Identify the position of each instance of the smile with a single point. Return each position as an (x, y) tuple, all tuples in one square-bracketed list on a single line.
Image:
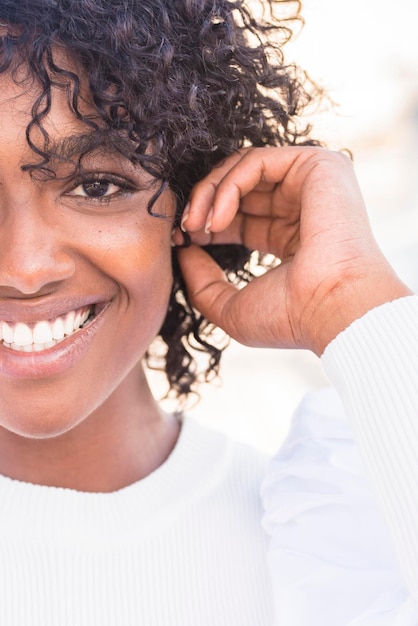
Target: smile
[(44, 334)]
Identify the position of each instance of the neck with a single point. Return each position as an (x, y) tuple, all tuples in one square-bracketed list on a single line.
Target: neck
[(120, 443)]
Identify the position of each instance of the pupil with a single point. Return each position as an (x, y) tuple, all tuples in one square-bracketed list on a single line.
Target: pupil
[(96, 189)]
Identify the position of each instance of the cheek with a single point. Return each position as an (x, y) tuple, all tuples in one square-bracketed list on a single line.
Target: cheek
[(143, 271), (133, 253), (147, 279), (144, 258)]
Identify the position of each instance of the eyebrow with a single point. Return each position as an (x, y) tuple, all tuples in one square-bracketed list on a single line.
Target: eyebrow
[(106, 141)]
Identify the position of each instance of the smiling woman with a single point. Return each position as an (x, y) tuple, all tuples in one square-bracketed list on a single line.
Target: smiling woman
[(146, 148), (109, 114)]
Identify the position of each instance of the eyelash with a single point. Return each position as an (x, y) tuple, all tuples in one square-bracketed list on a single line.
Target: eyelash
[(125, 187)]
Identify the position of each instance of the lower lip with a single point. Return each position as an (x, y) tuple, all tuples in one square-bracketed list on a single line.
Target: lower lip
[(55, 360)]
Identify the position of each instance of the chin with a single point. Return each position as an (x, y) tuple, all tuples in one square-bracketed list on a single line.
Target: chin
[(40, 429)]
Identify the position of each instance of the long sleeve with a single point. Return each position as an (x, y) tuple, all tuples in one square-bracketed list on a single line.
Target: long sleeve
[(375, 370), (341, 497)]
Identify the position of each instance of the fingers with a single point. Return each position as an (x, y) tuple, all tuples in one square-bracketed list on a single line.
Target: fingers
[(216, 199), (265, 234), (242, 201), (266, 181), (248, 180), (199, 210)]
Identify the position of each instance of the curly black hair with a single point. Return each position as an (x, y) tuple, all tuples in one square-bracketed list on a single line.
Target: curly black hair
[(197, 80)]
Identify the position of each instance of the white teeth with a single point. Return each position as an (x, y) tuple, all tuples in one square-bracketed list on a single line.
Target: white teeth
[(44, 334), (77, 319), (8, 334), (58, 329), (69, 323), (23, 335), (38, 347)]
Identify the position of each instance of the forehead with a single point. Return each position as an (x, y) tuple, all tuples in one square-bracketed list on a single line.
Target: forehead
[(52, 118), (22, 93), (21, 90)]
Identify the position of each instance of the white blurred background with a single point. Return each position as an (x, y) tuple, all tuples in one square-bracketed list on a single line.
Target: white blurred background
[(365, 54)]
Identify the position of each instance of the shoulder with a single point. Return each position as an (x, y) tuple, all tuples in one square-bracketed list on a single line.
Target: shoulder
[(233, 465), (226, 477)]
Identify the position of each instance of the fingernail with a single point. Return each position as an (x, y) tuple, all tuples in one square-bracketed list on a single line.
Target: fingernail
[(185, 216), (209, 222), (177, 238)]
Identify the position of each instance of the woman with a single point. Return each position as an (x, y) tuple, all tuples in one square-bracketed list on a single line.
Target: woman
[(113, 117)]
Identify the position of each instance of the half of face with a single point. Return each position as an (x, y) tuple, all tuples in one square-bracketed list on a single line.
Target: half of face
[(85, 269)]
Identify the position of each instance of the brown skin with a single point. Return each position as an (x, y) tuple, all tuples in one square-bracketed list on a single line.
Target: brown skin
[(304, 206), (94, 426)]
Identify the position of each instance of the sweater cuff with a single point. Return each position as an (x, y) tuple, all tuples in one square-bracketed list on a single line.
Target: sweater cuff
[(374, 366)]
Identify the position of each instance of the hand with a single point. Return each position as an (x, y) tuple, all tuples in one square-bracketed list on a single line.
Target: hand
[(303, 205)]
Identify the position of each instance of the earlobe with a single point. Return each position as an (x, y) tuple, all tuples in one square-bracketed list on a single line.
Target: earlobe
[(180, 238)]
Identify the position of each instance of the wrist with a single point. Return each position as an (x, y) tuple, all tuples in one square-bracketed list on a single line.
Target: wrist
[(350, 301)]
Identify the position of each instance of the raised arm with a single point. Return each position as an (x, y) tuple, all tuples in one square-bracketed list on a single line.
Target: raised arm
[(336, 294)]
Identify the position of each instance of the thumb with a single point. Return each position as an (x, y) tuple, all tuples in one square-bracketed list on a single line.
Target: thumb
[(207, 286), (255, 315)]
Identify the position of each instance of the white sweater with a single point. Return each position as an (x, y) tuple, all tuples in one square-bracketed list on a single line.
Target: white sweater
[(183, 547), (343, 517)]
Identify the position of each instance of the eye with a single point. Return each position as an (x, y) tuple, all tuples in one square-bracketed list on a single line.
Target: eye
[(99, 188)]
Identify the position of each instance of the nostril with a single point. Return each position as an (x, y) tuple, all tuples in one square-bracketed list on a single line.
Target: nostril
[(29, 274), (32, 254)]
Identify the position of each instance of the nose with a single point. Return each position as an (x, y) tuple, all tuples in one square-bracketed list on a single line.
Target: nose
[(32, 254)]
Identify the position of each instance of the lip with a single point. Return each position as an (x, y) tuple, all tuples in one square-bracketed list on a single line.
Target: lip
[(30, 312), (54, 360)]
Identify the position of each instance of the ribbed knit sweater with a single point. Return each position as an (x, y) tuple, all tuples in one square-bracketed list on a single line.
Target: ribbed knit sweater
[(183, 547), (375, 370)]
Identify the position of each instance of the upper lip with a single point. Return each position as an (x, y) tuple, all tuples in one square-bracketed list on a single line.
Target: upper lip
[(29, 311)]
